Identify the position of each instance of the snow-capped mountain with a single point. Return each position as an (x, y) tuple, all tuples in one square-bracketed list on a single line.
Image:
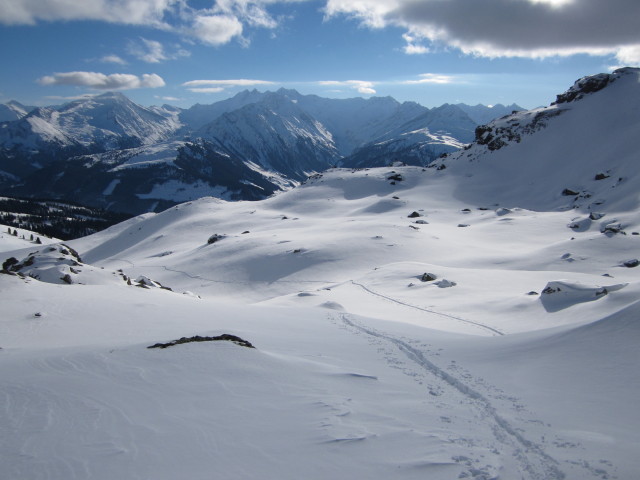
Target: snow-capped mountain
[(419, 141), (474, 320), (112, 153), (276, 134), (482, 114), (104, 122), (199, 115), (13, 110)]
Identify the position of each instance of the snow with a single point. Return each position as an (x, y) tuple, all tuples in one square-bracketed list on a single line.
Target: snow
[(111, 187), (524, 366)]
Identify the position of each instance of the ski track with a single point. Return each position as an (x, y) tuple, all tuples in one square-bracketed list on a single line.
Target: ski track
[(212, 280), (391, 299), (534, 463)]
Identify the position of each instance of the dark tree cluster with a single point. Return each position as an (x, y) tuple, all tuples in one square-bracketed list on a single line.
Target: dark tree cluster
[(51, 218)]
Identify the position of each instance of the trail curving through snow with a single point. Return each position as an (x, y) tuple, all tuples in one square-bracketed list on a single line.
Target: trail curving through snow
[(534, 463), (446, 315)]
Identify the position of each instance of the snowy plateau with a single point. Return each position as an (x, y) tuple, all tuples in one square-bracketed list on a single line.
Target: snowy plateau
[(478, 318)]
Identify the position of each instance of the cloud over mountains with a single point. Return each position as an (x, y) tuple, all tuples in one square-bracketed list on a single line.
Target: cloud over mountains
[(508, 28)]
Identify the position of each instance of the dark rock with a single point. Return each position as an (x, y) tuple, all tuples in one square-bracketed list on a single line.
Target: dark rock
[(601, 176), (567, 192), (532, 292), (428, 277), (198, 338), (584, 86), (414, 215), (214, 238), (612, 229), (8, 263), (396, 177), (632, 263)]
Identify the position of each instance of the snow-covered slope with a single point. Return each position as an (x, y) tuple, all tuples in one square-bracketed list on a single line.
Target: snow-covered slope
[(408, 323), (577, 154)]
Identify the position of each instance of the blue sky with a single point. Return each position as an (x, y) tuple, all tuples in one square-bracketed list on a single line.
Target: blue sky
[(183, 52)]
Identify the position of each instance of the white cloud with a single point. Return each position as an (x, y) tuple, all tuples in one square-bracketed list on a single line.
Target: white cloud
[(132, 12), (361, 86), (100, 81), (113, 59), (221, 23), (413, 48), (152, 51), (252, 12), (629, 55), (207, 90), (371, 12), (507, 28), (216, 29), (168, 99), (216, 86), (83, 96), (431, 78), (241, 82), (148, 51)]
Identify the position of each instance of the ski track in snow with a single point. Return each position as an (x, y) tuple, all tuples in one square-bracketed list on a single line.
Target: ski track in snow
[(533, 461), (391, 299)]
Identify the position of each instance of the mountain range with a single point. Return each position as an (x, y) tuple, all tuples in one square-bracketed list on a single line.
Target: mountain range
[(108, 152), (474, 318)]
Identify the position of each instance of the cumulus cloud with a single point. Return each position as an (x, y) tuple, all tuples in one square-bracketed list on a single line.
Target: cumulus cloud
[(216, 29), (511, 28), (361, 86), (100, 81)]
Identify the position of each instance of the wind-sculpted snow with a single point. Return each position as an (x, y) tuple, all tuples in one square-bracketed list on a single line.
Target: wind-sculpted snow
[(474, 320)]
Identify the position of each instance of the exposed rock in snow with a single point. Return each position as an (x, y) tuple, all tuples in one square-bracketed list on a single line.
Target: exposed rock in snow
[(558, 295)]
